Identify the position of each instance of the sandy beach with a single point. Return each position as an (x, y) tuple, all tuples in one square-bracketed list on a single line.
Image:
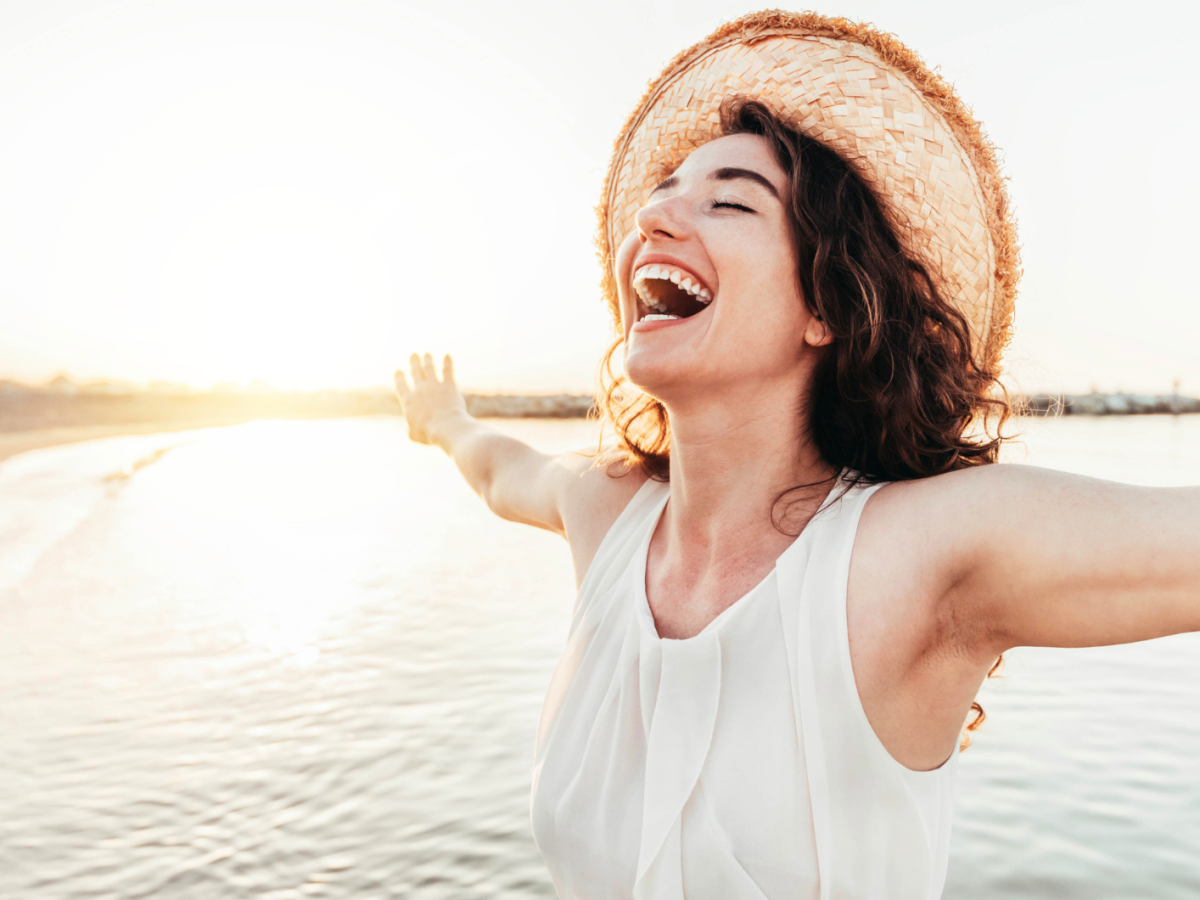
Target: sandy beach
[(33, 418), (64, 413), (23, 441), (12, 443)]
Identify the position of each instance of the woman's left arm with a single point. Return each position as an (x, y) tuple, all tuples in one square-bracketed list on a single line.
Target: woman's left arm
[(1045, 558)]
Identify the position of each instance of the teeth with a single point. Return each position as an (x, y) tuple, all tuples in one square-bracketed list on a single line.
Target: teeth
[(655, 318), (665, 273)]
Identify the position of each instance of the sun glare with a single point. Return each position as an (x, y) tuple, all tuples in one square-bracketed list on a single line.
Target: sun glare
[(227, 194), (302, 193)]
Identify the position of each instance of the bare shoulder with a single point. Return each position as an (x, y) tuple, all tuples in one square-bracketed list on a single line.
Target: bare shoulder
[(593, 491), (960, 507), (950, 493), (919, 540), (913, 533)]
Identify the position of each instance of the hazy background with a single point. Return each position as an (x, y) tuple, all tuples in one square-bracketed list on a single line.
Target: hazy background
[(304, 191)]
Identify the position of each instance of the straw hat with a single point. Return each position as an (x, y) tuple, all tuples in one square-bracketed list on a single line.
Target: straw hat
[(870, 98)]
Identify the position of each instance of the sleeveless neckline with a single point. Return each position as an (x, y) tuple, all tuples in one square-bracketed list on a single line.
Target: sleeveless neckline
[(642, 561)]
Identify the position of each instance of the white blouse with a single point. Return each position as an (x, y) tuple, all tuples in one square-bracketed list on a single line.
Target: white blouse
[(737, 763)]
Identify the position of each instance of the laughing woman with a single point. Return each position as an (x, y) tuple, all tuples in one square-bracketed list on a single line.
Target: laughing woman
[(797, 563)]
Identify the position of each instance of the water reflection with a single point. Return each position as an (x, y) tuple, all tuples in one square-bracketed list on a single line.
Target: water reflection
[(297, 659)]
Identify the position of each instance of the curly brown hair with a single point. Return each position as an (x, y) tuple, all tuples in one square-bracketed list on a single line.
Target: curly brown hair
[(898, 394)]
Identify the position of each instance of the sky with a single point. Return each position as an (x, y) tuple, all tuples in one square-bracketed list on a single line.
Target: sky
[(303, 192)]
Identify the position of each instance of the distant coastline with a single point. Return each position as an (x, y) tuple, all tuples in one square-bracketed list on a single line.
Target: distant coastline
[(1097, 404), (64, 411), (64, 403)]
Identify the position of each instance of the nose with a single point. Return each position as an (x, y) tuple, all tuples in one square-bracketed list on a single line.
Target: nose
[(660, 220)]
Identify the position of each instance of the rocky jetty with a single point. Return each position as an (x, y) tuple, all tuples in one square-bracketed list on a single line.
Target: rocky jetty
[(1097, 404), (507, 406), (64, 403), (565, 406)]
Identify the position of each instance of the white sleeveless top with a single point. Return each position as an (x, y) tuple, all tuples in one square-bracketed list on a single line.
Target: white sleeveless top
[(734, 764)]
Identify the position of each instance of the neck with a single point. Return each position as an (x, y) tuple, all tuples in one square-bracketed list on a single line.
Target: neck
[(731, 460)]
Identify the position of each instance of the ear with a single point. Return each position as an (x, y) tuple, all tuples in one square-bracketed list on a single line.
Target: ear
[(816, 334)]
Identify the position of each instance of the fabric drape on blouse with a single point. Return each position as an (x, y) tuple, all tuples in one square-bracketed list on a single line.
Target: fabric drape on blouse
[(737, 763)]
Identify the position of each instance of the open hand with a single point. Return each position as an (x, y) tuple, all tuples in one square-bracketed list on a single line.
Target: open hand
[(428, 402)]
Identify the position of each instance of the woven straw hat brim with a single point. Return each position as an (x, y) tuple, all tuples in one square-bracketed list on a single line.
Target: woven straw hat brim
[(870, 98)]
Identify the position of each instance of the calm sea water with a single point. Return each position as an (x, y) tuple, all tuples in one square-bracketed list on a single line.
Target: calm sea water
[(301, 659)]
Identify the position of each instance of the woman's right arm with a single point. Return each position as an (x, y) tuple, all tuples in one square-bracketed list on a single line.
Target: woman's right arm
[(569, 494)]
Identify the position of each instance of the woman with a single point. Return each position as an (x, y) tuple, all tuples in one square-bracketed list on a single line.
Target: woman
[(799, 565)]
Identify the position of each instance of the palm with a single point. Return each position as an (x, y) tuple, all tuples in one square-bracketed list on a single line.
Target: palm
[(428, 399)]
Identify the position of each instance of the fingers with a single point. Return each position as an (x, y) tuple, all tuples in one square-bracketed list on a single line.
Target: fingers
[(423, 369), (402, 388)]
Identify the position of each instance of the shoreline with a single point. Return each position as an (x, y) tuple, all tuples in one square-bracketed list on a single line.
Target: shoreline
[(36, 419), (14, 443)]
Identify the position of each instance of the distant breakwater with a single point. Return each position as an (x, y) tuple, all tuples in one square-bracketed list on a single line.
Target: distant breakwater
[(565, 406), (32, 408), (29, 408), (1096, 404), (569, 407), (506, 406)]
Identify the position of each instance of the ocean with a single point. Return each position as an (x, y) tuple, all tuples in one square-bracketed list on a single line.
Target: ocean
[(301, 659)]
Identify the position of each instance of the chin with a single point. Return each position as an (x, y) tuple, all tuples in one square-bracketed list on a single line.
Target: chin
[(663, 378)]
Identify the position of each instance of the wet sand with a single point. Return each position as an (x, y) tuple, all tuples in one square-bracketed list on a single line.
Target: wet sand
[(14, 442), (32, 419)]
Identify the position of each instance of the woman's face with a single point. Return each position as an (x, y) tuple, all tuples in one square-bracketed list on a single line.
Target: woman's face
[(712, 251)]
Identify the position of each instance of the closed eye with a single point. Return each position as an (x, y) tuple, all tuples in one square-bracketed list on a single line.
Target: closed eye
[(726, 204)]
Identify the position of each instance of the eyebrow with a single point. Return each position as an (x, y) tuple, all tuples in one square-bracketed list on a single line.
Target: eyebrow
[(727, 173), (730, 174), (669, 183)]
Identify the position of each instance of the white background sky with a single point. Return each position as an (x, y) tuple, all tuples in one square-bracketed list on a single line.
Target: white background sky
[(304, 191)]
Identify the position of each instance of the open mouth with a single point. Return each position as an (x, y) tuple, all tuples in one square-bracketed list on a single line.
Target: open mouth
[(667, 292)]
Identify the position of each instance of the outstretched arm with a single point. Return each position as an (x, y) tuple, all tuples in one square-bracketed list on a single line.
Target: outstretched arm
[(517, 482), (567, 494), (1036, 557), (1078, 562)]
